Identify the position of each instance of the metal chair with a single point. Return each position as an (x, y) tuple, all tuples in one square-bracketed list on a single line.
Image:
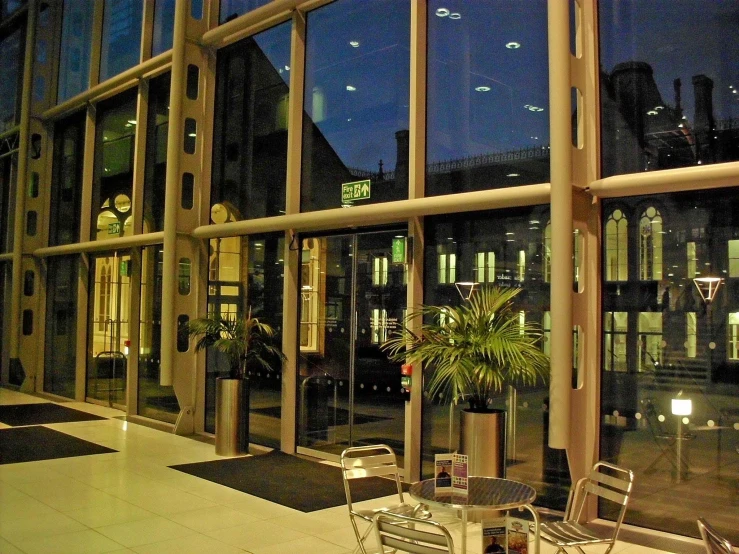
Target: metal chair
[(371, 461), (407, 534), (607, 481), (715, 543)]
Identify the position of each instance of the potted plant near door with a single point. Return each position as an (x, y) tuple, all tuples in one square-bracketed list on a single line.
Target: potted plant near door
[(473, 350), (245, 341)]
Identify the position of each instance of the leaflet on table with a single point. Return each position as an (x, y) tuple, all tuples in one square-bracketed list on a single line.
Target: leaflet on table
[(460, 484), (494, 536), (509, 535), (443, 473)]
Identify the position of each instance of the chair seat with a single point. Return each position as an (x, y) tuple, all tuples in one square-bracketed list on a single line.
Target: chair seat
[(569, 533), (403, 509)]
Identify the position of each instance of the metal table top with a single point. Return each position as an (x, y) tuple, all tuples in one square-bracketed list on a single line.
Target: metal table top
[(484, 493)]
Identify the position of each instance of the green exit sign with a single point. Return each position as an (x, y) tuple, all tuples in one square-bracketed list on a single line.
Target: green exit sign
[(357, 190), (114, 228), (398, 250)]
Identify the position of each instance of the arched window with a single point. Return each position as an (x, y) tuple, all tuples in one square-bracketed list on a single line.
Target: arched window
[(650, 245), (617, 268)]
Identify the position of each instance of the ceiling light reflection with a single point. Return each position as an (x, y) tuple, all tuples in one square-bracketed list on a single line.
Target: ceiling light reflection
[(442, 12), (482, 89), (513, 45)]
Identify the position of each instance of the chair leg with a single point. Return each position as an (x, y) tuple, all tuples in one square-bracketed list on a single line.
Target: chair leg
[(360, 538)]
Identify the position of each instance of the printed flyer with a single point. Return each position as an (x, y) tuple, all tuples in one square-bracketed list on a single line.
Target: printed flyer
[(518, 536), (443, 473), (494, 536), (460, 484)]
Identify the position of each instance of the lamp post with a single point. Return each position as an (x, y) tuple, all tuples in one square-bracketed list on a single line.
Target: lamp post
[(681, 407)]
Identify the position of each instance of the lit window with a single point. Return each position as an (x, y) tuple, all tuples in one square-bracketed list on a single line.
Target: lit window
[(378, 326), (521, 266), (650, 245), (547, 254), (617, 247), (616, 327), (649, 346), (546, 330), (447, 265), (691, 334), (692, 260), (379, 271), (485, 267), (733, 336), (734, 258)]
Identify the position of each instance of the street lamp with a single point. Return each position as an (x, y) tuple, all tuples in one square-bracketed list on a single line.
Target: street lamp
[(466, 288), (680, 407), (707, 287)]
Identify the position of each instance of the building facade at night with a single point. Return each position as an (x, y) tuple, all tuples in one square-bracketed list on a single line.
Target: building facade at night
[(331, 165)]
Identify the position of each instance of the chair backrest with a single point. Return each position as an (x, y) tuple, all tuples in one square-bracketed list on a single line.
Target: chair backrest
[(410, 534), (607, 481), (715, 543), (377, 460)]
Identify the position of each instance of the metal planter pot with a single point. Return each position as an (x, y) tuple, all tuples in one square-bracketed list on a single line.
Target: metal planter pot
[(232, 416), (483, 439)]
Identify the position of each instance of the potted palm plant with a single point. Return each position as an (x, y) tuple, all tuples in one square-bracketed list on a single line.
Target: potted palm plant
[(246, 342), (473, 350)]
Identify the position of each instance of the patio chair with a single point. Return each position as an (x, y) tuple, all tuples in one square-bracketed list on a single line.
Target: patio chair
[(714, 543), (360, 462), (610, 483), (411, 534)]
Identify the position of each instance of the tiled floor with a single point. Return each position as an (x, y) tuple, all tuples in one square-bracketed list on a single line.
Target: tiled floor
[(130, 501)]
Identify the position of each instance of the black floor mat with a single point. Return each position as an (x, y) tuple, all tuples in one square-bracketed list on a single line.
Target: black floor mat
[(31, 444), (41, 413), (288, 480)]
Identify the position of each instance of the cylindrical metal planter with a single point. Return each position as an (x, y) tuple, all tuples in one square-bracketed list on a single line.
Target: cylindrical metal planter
[(483, 440), (232, 416)]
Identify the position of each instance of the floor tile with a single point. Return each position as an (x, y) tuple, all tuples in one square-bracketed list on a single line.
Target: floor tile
[(115, 511), (308, 545), (195, 544), (256, 535), (145, 531), (16, 530), (211, 519), (79, 542)]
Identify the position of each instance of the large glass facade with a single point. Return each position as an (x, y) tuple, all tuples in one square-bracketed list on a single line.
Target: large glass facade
[(501, 248), (66, 188), (113, 180), (60, 360), (74, 55), (163, 26), (669, 86), (488, 95), (231, 9), (665, 344), (157, 128), (121, 46), (247, 273), (11, 66), (250, 134), (7, 204), (155, 401), (356, 103)]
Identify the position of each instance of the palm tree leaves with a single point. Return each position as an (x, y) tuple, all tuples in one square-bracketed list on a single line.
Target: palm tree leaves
[(241, 339), (474, 348)]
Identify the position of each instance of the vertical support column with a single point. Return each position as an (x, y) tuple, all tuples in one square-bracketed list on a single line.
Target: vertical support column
[(561, 206), (290, 296), (19, 230), (416, 189)]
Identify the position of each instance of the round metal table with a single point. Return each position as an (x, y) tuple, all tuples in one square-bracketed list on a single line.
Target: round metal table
[(484, 493)]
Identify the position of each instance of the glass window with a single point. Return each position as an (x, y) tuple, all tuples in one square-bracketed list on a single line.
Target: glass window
[(733, 247), (11, 67), (157, 127), (60, 361), (662, 341), (11, 6), (485, 267), (163, 26), (231, 9), (468, 236), (669, 93), (250, 135), (616, 256), (7, 203), (155, 401), (74, 55), (121, 47), (650, 245), (488, 95), (113, 182), (66, 185), (356, 103), (247, 273)]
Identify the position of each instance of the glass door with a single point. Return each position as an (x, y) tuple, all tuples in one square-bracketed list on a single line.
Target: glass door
[(353, 295), (108, 329)]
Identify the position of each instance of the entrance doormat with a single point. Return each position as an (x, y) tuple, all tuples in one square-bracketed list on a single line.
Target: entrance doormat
[(31, 444), (41, 413), (288, 480)]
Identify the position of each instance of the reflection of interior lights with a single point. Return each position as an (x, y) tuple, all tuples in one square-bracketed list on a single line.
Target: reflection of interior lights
[(682, 406), (652, 112), (455, 15), (354, 43), (351, 88), (191, 135), (132, 121), (442, 12), (482, 89), (659, 108), (513, 45), (513, 175)]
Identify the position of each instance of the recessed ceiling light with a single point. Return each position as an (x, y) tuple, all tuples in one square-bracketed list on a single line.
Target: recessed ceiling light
[(132, 121), (442, 12), (192, 135), (354, 43), (514, 175), (513, 45), (652, 112), (482, 89), (659, 108), (455, 15), (351, 88), (287, 68)]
